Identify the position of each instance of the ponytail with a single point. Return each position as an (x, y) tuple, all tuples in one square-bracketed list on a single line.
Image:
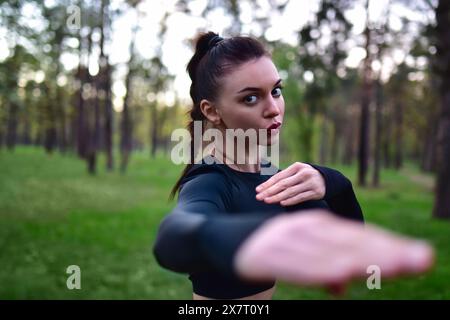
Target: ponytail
[(214, 57)]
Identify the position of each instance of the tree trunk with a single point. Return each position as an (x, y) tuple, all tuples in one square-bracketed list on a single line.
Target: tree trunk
[(62, 120), (81, 121), (59, 105), (386, 137), (72, 135), (81, 125), (26, 129), (105, 87), (398, 135), (162, 140), (108, 119), (154, 130), (39, 139), (96, 133), (1, 135), (306, 134), (378, 129), (11, 131), (363, 150), (324, 141), (429, 149), (26, 136), (364, 141), (125, 143), (50, 134), (126, 138), (93, 132), (349, 141), (91, 120), (442, 199), (337, 132)]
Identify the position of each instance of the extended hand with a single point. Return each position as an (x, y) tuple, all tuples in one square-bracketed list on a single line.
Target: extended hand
[(298, 183), (319, 248)]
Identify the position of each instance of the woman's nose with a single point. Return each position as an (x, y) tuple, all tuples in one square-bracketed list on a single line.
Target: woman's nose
[(272, 108)]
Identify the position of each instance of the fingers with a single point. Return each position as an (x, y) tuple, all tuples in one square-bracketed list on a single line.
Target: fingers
[(290, 192), (395, 255), (318, 248), (298, 178), (298, 183), (419, 258), (279, 186), (289, 171), (373, 249), (298, 198)]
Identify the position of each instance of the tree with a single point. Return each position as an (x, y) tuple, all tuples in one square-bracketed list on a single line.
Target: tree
[(159, 80), (19, 59), (379, 39), (104, 84), (126, 124), (442, 199), (364, 139)]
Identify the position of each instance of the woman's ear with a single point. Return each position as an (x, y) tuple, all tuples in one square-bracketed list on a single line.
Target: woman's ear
[(210, 112)]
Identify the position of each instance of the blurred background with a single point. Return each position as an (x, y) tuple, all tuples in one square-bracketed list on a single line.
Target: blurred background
[(90, 92)]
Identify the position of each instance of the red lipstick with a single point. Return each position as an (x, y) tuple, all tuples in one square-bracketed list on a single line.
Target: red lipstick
[(274, 126)]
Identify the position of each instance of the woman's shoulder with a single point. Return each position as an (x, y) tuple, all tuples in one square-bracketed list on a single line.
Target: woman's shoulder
[(208, 171), (207, 182)]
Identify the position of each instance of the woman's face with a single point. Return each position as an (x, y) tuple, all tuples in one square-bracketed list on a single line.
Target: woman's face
[(251, 97)]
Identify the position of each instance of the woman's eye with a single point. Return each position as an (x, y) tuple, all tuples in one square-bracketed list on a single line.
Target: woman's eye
[(250, 99), (277, 91)]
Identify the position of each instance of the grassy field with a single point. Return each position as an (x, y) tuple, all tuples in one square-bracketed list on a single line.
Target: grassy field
[(52, 215)]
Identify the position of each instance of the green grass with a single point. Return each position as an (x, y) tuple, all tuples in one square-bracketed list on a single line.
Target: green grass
[(52, 215)]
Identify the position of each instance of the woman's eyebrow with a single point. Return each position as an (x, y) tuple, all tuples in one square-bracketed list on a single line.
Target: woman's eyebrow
[(257, 89)]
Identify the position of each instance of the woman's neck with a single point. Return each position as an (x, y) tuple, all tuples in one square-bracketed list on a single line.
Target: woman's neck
[(251, 161)]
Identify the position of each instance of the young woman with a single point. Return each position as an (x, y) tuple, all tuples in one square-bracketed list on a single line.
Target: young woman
[(235, 230)]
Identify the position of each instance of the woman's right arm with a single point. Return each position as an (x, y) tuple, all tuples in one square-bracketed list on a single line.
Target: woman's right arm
[(198, 235)]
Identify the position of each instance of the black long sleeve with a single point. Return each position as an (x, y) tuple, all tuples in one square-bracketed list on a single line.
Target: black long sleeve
[(200, 234), (339, 194)]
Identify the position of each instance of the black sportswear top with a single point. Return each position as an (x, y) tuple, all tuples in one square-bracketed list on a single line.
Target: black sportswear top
[(216, 211)]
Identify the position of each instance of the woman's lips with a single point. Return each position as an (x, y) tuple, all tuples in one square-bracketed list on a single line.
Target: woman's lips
[(276, 125), (273, 128)]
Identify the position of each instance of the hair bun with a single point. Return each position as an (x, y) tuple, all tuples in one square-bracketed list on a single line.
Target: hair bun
[(214, 40)]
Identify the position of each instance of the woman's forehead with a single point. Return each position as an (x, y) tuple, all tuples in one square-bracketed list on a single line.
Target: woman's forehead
[(260, 73)]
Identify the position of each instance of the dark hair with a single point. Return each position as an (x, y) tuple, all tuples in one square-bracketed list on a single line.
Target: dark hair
[(214, 57)]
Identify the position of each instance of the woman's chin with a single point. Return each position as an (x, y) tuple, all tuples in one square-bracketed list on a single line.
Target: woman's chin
[(270, 140)]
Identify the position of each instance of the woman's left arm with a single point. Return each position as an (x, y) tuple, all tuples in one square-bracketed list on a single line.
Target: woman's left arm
[(339, 194), (302, 182)]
